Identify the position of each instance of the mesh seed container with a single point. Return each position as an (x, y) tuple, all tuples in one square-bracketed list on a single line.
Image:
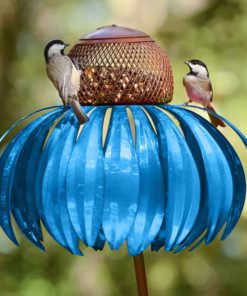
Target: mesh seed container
[(122, 66)]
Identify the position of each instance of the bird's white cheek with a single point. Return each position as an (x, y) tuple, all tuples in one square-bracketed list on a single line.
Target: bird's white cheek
[(199, 70), (55, 49)]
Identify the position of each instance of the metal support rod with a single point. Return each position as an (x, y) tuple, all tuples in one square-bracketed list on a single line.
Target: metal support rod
[(140, 272)]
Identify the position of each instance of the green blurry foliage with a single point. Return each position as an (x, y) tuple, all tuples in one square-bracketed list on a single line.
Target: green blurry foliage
[(212, 30)]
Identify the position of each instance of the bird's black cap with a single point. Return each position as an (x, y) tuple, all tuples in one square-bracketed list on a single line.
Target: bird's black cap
[(197, 62)]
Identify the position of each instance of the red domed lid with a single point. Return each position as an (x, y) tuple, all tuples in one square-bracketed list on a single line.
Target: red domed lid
[(115, 34)]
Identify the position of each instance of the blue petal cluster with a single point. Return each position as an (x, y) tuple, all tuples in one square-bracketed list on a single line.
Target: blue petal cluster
[(155, 175)]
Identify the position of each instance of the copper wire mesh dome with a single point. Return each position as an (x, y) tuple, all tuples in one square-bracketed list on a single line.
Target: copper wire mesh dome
[(122, 66)]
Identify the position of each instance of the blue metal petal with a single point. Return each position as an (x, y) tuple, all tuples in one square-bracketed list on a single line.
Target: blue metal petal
[(121, 180), (237, 171), (55, 214), (51, 174), (23, 203), (237, 131), (180, 170), (45, 156), (27, 116), (151, 204), (47, 150), (85, 181), (216, 168), (7, 165)]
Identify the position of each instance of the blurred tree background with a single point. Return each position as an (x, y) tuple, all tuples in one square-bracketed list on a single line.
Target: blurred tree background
[(212, 30)]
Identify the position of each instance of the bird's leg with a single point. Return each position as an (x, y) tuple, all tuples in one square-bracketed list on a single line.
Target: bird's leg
[(187, 103), (64, 99)]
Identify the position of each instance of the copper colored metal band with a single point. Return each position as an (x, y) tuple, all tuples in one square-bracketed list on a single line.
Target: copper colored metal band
[(116, 40)]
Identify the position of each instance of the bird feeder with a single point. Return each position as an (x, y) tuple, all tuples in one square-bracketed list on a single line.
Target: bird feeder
[(121, 66), (139, 172)]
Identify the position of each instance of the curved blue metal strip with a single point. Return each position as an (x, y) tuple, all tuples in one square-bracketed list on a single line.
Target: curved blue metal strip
[(47, 150), (217, 171), (201, 220), (7, 164), (121, 179), (85, 181), (237, 131), (27, 116), (44, 159), (32, 163), (55, 214), (151, 204), (23, 204), (237, 171), (183, 195), (58, 224)]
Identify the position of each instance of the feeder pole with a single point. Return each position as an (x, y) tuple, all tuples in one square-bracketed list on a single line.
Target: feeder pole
[(140, 273)]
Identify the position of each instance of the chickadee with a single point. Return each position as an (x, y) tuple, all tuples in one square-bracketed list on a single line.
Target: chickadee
[(64, 75), (199, 88)]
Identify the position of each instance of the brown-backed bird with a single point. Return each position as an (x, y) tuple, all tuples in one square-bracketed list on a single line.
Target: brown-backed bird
[(199, 88), (64, 75)]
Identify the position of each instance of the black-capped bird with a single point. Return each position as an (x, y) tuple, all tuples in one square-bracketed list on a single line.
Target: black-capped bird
[(199, 88), (64, 75)]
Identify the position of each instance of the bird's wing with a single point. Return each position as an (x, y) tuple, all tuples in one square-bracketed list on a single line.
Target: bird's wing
[(75, 63), (59, 71), (65, 72), (184, 82), (211, 89), (206, 86)]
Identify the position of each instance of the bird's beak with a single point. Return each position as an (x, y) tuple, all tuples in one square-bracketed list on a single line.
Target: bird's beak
[(66, 45), (187, 63)]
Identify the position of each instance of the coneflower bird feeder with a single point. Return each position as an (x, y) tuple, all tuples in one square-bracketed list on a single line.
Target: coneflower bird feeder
[(139, 171)]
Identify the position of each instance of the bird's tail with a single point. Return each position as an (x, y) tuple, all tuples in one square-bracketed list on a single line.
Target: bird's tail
[(80, 115), (215, 120)]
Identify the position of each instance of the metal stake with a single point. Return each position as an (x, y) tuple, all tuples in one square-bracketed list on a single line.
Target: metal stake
[(140, 273)]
